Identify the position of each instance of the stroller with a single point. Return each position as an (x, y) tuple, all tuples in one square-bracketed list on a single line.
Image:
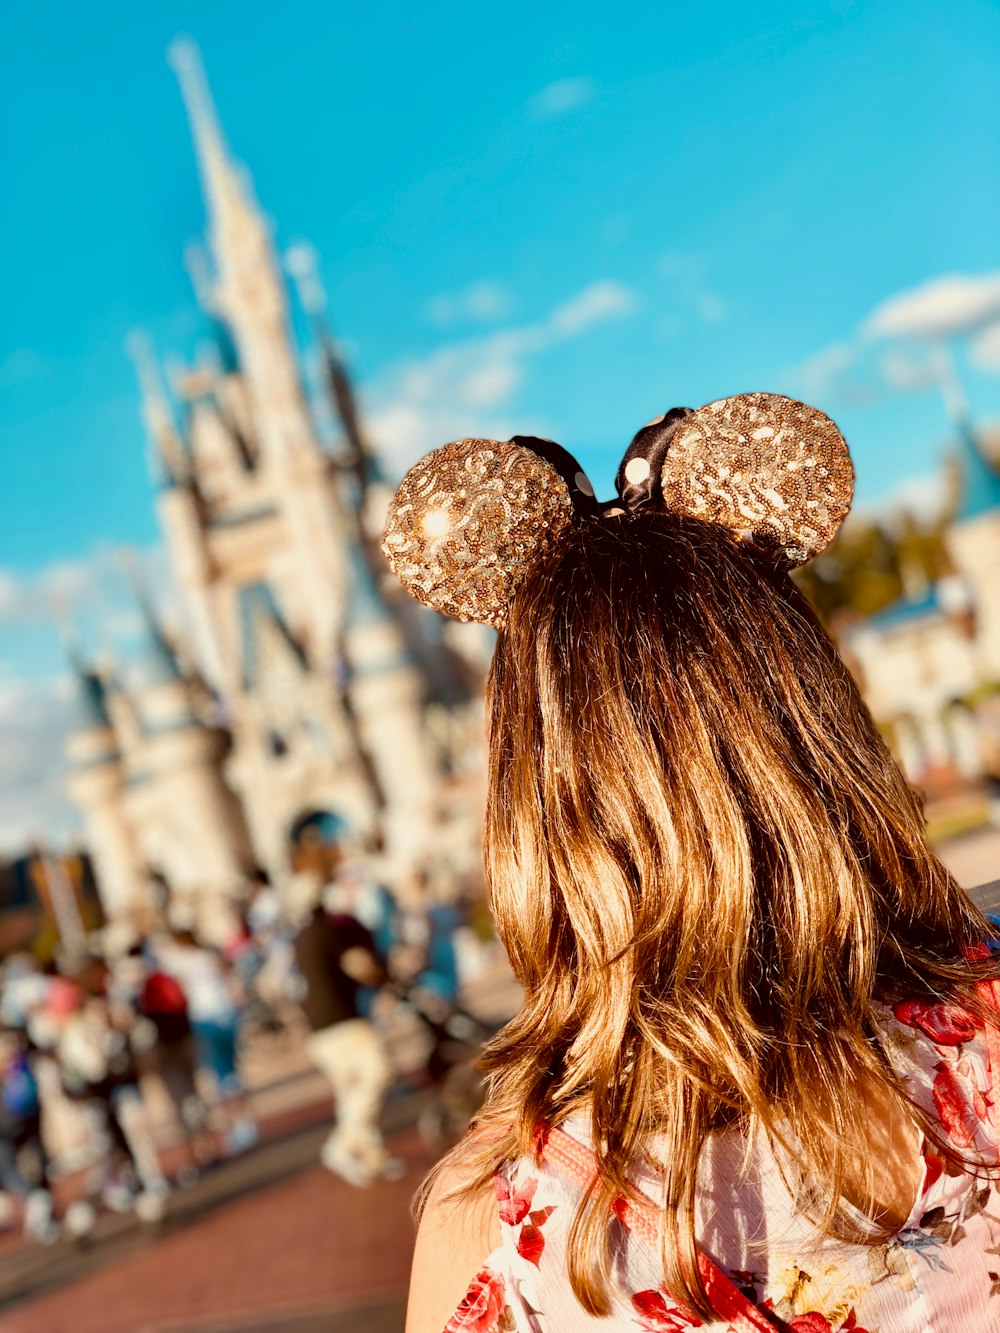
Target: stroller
[(459, 1088)]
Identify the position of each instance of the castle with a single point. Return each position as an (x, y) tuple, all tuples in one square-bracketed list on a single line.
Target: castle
[(929, 664), (296, 704), (306, 700)]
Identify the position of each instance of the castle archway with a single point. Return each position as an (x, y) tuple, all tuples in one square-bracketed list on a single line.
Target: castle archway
[(314, 841)]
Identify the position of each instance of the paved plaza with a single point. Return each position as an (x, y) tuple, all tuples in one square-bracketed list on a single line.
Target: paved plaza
[(270, 1241)]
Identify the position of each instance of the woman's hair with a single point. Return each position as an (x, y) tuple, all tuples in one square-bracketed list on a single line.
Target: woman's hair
[(706, 868)]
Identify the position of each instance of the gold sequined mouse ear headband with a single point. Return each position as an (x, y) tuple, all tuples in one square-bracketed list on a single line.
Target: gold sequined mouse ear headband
[(471, 517)]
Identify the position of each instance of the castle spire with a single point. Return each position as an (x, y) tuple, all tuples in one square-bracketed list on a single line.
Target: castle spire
[(91, 691), (168, 455), (979, 479), (360, 462), (197, 263), (225, 186), (161, 658), (162, 663)]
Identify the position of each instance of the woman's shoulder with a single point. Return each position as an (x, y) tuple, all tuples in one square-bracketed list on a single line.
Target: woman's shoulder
[(459, 1230)]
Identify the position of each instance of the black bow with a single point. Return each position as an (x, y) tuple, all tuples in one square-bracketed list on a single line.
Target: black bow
[(638, 473)]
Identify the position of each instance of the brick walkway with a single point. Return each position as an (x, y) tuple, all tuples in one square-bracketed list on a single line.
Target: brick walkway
[(304, 1254)]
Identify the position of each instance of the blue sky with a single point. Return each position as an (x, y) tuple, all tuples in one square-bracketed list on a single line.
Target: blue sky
[(560, 217)]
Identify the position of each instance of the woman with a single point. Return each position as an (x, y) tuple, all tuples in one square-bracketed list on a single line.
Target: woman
[(749, 1085), (214, 998)]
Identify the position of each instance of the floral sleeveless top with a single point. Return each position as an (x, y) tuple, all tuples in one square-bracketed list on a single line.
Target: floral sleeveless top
[(940, 1272)]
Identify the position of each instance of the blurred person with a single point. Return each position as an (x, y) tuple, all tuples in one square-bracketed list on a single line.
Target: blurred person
[(423, 966), (414, 938), (336, 956), (422, 934), (214, 999), (272, 935), (98, 1068), (159, 1000), (24, 989), (753, 1081), (24, 1162), (263, 911), (264, 958)]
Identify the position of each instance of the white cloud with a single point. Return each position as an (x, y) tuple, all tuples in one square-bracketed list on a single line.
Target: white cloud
[(911, 370), (596, 303), (480, 303), (899, 347), (465, 388), (561, 96), (35, 719), (922, 497), (943, 307), (95, 585), (51, 593), (820, 374), (984, 349), (855, 374)]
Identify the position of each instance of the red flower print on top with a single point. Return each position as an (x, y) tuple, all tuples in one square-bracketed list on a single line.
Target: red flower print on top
[(531, 1243), (482, 1305), (945, 1024), (810, 1323), (513, 1205), (959, 1104), (851, 1325), (657, 1316), (934, 1165)]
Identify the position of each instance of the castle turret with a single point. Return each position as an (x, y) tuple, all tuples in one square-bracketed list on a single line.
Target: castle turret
[(385, 693), (169, 459), (974, 542), (357, 458), (371, 494), (190, 822), (97, 785)]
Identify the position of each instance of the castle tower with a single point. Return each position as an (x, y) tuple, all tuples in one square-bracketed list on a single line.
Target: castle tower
[(974, 543), (180, 505), (189, 823), (97, 785), (386, 697), (249, 295), (291, 647)]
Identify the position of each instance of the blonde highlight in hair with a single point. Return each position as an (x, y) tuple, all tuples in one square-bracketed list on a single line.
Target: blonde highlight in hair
[(707, 870)]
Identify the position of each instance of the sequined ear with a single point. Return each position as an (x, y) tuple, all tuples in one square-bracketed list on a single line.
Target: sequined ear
[(468, 521), (767, 466)]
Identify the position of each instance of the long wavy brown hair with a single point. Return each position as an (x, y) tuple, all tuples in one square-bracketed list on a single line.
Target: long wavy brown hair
[(708, 872)]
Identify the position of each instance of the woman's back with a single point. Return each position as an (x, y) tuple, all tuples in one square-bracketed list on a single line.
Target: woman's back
[(939, 1271)]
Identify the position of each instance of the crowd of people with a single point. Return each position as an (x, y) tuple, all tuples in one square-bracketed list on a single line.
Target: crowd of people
[(146, 1042)]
